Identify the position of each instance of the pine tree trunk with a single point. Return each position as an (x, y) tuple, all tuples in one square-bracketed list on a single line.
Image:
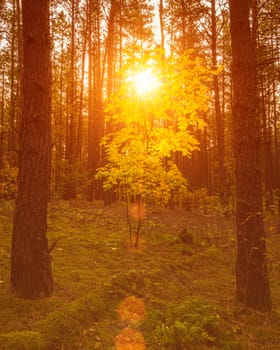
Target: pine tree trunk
[(12, 122), (98, 119), (252, 284), (161, 23), (31, 275), (2, 148), (71, 123), (218, 112), (108, 195)]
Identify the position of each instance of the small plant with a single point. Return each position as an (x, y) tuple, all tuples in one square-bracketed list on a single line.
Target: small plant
[(150, 130)]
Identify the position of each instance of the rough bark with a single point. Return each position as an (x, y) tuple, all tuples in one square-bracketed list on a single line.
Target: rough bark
[(31, 275), (252, 284)]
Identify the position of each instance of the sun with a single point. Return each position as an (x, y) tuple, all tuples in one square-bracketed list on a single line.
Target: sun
[(145, 82)]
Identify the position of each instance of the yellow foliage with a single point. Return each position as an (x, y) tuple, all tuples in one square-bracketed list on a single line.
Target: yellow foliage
[(150, 128)]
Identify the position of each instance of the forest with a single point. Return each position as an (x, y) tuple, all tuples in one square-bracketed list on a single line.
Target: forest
[(139, 174)]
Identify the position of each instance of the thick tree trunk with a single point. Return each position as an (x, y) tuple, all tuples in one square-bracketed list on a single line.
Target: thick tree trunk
[(31, 275), (252, 284)]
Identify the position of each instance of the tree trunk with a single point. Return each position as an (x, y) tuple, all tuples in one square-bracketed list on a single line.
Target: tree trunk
[(80, 131), (161, 24), (90, 135), (110, 47), (31, 275), (252, 284), (108, 195), (19, 73), (98, 117), (95, 108), (12, 123), (267, 143), (218, 113), (2, 148)]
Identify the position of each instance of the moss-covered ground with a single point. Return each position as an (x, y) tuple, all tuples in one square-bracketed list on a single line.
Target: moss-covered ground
[(165, 295)]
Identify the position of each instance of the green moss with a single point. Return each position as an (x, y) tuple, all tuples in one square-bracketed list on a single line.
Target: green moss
[(131, 282), (22, 341), (162, 272), (62, 327), (59, 327), (88, 308)]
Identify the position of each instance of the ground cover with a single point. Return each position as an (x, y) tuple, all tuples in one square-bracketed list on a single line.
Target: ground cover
[(165, 295)]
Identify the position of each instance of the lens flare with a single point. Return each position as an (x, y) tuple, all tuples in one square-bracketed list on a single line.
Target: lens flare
[(145, 82)]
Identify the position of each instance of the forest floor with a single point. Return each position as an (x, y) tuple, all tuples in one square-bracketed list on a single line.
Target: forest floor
[(165, 295)]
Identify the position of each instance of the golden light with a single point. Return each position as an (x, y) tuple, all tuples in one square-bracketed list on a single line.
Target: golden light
[(145, 82), (132, 312), (132, 309), (130, 339)]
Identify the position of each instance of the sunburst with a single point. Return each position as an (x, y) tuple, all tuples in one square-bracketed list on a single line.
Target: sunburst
[(145, 82)]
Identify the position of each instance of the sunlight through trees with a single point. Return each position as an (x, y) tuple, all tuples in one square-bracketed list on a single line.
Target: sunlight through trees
[(156, 117), (145, 82)]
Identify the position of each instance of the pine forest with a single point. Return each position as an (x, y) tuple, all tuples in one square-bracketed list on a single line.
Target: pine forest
[(139, 174)]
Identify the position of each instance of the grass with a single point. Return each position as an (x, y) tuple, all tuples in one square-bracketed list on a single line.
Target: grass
[(95, 270)]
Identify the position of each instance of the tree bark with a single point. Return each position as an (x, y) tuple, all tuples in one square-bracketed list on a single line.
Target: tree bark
[(161, 24), (95, 108), (252, 284), (12, 122), (2, 113), (108, 196), (218, 112), (71, 122), (31, 275)]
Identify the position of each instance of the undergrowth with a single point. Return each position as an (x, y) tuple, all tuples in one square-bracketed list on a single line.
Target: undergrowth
[(187, 289)]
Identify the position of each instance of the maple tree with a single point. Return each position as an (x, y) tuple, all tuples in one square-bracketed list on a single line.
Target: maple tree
[(150, 127)]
